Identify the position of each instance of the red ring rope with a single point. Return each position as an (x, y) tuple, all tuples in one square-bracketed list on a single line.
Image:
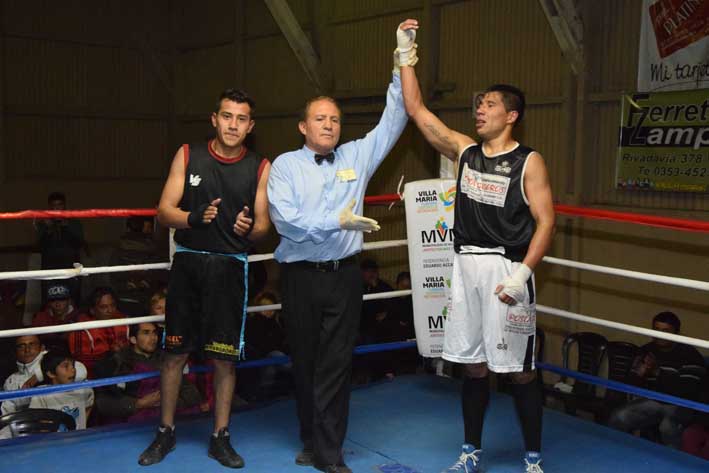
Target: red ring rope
[(627, 217)]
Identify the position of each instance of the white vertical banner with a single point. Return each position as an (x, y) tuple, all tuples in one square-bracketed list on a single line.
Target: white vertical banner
[(674, 45), (429, 227)]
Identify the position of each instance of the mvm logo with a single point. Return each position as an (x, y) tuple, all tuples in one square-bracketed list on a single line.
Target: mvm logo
[(441, 233), (435, 322)]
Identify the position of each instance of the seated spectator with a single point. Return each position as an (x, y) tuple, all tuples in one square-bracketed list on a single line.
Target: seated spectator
[(266, 338), (140, 399), (402, 309), (29, 353), (375, 325), (156, 305), (695, 438), (653, 369), (90, 345), (58, 368), (59, 310), (402, 312)]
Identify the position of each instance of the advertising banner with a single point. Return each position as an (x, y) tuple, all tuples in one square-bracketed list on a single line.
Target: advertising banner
[(664, 142), (674, 45), (429, 226)]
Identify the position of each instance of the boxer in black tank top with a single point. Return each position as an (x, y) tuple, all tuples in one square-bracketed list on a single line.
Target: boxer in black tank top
[(504, 223), (215, 198)]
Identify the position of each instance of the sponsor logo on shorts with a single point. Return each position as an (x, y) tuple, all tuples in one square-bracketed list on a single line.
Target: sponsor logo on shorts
[(173, 341), (521, 317), (502, 345), (223, 348)]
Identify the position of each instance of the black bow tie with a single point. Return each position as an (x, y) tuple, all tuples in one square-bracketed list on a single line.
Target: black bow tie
[(329, 157)]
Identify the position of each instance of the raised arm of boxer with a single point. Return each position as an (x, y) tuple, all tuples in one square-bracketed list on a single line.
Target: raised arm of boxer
[(448, 142)]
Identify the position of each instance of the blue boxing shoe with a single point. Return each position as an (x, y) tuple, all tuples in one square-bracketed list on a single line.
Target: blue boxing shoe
[(533, 462), (467, 462)]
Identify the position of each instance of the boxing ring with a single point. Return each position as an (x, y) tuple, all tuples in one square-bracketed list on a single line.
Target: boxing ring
[(410, 424)]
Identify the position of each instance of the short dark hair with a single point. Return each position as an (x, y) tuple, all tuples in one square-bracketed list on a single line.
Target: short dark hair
[(99, 292), (56, 196), (512, 98), (669, 318), (135, 328), (52, 359), (238, 96), (306, 107)]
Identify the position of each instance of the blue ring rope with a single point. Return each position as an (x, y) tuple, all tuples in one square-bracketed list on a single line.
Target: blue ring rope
[(362, 349)]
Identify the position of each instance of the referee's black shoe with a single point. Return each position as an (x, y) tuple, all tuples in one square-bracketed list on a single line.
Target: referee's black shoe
[(221, 450), (163, 444)]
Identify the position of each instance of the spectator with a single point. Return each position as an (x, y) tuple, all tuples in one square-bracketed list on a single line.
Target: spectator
[(58, 368), (375, 325), (402, 313), (695, 438), (138, 400), (29, 352), (60, 241), (266, 338), (136, 246), (59, 310), (157, 302), (402, 308), (658, 367), (90, 345)]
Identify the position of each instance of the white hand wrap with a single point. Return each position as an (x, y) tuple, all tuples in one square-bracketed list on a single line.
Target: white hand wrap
[(405, 53), (513, 285)]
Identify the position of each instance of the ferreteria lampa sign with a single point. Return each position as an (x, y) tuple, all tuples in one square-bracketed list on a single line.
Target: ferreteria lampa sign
[(664, 142)]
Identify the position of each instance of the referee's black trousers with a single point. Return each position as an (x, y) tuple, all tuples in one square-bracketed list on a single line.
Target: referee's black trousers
[(321, 310)]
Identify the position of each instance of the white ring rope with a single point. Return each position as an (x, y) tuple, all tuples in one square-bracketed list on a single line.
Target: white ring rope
[(381, 295), (673, 281), (625, 327), (80, 270), (76, 326)]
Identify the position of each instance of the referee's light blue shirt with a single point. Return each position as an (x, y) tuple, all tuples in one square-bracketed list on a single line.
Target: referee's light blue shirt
[(305, 199)]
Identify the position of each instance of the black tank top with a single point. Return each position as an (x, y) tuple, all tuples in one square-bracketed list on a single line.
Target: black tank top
[(490, 208), (209, 176)]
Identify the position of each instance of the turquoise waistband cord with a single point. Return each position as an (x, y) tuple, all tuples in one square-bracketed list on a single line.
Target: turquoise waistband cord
[(244, 258)]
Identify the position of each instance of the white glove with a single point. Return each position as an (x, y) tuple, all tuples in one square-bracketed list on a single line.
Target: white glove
[(412, 60), (513, 285), (406, 48), (350, 221)]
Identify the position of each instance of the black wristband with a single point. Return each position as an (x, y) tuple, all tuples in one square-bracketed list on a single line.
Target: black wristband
[(196, 218)]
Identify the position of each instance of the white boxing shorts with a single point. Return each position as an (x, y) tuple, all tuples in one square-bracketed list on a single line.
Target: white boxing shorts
[(482, 329)]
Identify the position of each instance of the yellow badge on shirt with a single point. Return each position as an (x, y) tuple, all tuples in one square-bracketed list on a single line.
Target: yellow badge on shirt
[(346, 175)]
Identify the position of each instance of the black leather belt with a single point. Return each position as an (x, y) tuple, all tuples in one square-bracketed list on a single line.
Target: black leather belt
[(328, 266)]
